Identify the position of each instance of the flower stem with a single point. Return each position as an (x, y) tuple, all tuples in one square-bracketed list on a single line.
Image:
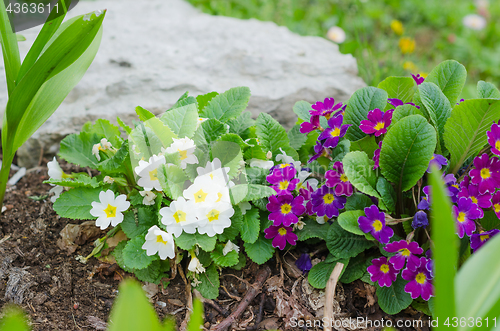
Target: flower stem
[(4, 176)]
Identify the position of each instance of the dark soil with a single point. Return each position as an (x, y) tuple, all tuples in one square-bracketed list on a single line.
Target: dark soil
[(64, 294)]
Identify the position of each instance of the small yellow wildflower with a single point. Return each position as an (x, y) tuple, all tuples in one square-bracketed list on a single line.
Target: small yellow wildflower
[(397, 27), (423, 74), (407, 45)]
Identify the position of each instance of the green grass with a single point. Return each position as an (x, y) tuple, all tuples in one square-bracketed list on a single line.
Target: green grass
[(436, 26)]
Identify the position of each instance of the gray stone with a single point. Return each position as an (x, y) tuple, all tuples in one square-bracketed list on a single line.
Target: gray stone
[(153, 51)]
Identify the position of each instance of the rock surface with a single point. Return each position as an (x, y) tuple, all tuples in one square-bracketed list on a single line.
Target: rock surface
[(153, 51)]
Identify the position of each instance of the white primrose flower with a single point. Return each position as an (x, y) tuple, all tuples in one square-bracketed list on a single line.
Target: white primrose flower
[(57, 190), (108, 180), (185, 147), (109, 210), (195, 265), (230, 247), (104, 145), (149, 197), (474, 22), (200, 120), (244, 206), (283, 158), (322, 219), (336, 34), (159, 241), (269, 155), (148, 173), (258, 163), (55, 171), (215, 217), (299, 225), (180, 216), (203, 190)]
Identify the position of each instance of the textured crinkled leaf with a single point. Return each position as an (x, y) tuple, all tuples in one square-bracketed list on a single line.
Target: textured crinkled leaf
[(394, 299), (227, 105), (358, 201), (77, 149), (134, 256), (339, 152), (367, 145), (211, 130), (250, 226), (437, 105), (260, 251), (240, 124), (404, 111), (312, 229), (79, 180), (250, 192), (348, 220), (154, 272), (296, 138), (487, 90), (387, 193), (450, 77), (272, 136), (77, 203), (204, 99), (228, 260), (343, 244), (234, 138), (135, 225), (465, 130), (118, 254), (320, 273), (209, 286), (103, 128), (360, 103), (229, 154), (401, 88), (231, 232), (302, 108), (359, 170), (407, 150), (116, 164), (172, 180), (188, 241), (182, 120), (355, 269)]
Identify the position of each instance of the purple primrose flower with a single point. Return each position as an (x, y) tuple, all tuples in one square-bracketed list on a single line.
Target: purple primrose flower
[(397, 102), (335, 131), (404, 251), (465, 214), (425, 202), (304, 263), (283, 180), (377, 122), (280, 236), (418, 79), (337, 179), (325, 108), (320, 150), (382, 271), (374, 222), (420, 220), (306, 127), (494, 138), (472, 191), (486, 174), (420, 281), (495, 201), (376, 156), (479, 239), (325, 202), (284, 209), (437, 160)]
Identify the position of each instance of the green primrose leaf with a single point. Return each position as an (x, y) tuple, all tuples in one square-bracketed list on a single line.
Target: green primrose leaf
[(394, 299), (297, 139), (228, 260), (272, 136), (404, 111), (465, 130), (77, 149), (260, 251), (450, 77), (343, 244), (359, 170), (77, 203), (355, 269), (401, 88), (320, 273), (209, 286), (241, 124), (387, 193), (302, 108), (134, 256), (187, 241), (204, 99), (154, 272), (183, 120), (348, 220), (135, 225), (172, 180), (13, 318), (360, 103), (210, 130), (229, 154), (250, 226), (79, 180), (358, 201), (367, 145), (228, 105), (407, 150), (249, 192), (487, 90), (116, 164), (104, 129), (313, 229)]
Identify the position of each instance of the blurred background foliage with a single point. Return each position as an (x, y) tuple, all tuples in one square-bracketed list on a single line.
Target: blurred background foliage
[(390, 37)]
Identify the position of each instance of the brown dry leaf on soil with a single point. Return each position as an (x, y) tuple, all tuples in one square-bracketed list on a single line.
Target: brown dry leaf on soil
[(74, 235)]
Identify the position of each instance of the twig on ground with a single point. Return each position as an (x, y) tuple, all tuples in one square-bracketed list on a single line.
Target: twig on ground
[(224, 312), (259, 315), (262, 276), (330, 295), (189, 299), (232, 296)]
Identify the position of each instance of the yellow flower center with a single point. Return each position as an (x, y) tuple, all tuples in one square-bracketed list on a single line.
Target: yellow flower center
[(283, 165), (327, 116), (183, 154), (110, 211), (405, 252), (220, 196), (379, 126), (497, 145), (461, 217), (420, 278), (384, 268), (282, 231), (377, 225), (180, 216), (283, 185), (497, 207), (159, 239), (474, 199), (200, 196), (343, 178), (335, 132), (485, 173), (153, 174), (432, 158), (328, 198), (213, 215), (484, 237), (286, 208)]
